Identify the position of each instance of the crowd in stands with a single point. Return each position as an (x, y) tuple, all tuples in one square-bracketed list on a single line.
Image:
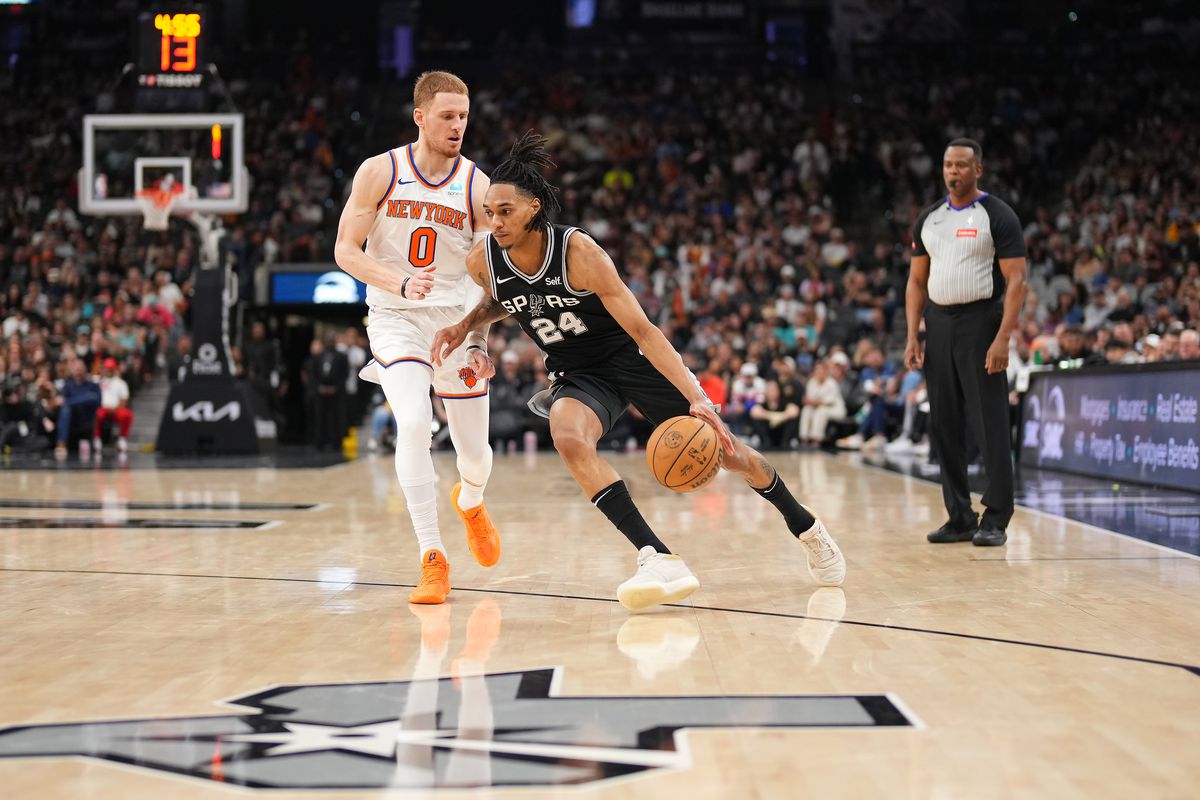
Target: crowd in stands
[(773, 248), (761, 221)]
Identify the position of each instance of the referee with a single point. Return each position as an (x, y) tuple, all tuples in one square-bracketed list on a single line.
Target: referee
[(969, 263)]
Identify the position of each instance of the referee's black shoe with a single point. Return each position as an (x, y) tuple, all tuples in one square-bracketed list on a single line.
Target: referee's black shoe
[(989, 537), (953, 533)]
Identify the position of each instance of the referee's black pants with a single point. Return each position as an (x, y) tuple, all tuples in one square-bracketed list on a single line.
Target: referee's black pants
[(962, 394)]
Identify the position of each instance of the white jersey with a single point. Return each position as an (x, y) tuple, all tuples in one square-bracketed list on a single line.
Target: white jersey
[(418, 224)]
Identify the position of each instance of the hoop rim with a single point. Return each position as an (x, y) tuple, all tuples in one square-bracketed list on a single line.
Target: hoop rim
[(156, 205), (163, 198)]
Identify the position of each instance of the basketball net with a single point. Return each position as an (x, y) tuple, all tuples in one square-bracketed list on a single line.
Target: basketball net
[(156, 204)]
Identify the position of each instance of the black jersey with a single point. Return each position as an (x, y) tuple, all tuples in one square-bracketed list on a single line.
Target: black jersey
[(573, 328)]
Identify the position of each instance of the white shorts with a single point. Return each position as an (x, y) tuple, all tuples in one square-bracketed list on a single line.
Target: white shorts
[(407, 335)]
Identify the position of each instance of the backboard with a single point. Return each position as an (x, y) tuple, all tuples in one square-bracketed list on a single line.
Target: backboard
[(124, 154)]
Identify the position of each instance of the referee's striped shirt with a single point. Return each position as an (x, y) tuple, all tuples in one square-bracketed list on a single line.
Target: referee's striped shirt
[(965, 245)]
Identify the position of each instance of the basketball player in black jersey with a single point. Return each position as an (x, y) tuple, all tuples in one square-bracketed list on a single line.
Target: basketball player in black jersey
[(604, 355)]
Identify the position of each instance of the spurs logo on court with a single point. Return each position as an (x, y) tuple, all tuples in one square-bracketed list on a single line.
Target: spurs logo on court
[(508, 729), (467, 376)]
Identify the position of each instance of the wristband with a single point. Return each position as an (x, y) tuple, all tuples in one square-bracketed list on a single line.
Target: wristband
[(477, 347), (404, 285)]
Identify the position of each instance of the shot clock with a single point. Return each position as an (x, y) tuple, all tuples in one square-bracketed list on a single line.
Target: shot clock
[(171, 45)]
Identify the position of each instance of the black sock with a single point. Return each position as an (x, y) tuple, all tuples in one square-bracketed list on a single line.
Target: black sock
[(616, 504), (798, 520)]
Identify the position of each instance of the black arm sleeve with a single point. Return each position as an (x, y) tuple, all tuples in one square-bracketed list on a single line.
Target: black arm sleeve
[(1006, 229)]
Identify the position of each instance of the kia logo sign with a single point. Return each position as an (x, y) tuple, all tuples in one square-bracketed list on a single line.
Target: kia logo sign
[(204, 411)]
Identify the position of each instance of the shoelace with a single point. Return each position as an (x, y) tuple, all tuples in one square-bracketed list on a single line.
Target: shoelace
[(432, 573), (650, 559), (478, 532), (820, 546)]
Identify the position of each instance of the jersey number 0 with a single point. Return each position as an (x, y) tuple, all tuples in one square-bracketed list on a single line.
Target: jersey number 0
[(421, 246)]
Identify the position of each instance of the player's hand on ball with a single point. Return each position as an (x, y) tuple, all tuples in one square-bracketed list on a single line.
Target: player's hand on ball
[(705, 412), (480, 363), (420, 285), (445, 342)]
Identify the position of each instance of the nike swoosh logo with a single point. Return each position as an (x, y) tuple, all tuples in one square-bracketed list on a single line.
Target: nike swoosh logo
[(505, 280), (404, 183)]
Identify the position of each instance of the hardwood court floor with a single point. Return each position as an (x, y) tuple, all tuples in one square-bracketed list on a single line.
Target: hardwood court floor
[(1063, 665)]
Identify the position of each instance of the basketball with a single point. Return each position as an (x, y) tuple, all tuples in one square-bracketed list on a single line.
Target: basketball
[(684, 454)]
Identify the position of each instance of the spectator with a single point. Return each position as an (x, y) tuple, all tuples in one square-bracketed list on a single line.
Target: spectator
[(356, 356), (822, 402), (1072, 345), (17, 418), (1097, 311), (747, 392), (791, 387), (912, 438), (507, 394), (1189, 345), (79, 398), (263, 371), (114, 405), (166, 293), (881, 402), (325, 376), (713, 384), (775, 420), (383, 424), (180, 360), (717, 226)]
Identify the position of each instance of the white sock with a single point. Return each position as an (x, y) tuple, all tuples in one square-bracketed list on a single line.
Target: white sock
[(468, 421), (470, 495), (422, 507), (406, 386)]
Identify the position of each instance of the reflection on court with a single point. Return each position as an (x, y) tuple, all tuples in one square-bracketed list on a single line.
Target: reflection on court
[(1051, 666)]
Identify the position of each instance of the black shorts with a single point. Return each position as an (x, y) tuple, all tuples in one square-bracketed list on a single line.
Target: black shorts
[(608, 391)]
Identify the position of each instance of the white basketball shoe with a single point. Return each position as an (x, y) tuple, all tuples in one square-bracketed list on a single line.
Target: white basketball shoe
[(825, 561), (660, 578)]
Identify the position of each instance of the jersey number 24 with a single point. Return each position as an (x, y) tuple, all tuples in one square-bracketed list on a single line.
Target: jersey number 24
[(550, 333)]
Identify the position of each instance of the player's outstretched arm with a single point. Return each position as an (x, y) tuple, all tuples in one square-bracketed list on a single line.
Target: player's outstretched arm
[(371, 182), (478, 319), (590, 269)]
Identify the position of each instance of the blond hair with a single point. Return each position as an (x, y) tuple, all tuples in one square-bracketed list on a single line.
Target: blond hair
[(430, 83)]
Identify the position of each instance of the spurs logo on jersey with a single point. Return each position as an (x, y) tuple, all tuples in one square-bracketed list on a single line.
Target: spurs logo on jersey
[(572, 327), (419, 224)]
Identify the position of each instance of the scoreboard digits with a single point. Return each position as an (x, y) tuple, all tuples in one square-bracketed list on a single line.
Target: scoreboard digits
[(180, 33), (170, 46)]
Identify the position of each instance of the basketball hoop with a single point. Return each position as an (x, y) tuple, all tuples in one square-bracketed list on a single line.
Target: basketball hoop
[(156, 205)]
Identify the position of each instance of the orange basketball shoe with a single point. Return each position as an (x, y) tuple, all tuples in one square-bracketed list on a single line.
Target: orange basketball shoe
[(435, 580), (482, 536)]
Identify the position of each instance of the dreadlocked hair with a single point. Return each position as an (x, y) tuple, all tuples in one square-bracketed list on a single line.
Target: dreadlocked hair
[(523, 169)]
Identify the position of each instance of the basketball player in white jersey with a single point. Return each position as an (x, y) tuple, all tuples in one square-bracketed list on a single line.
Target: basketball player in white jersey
[(416, 208)]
